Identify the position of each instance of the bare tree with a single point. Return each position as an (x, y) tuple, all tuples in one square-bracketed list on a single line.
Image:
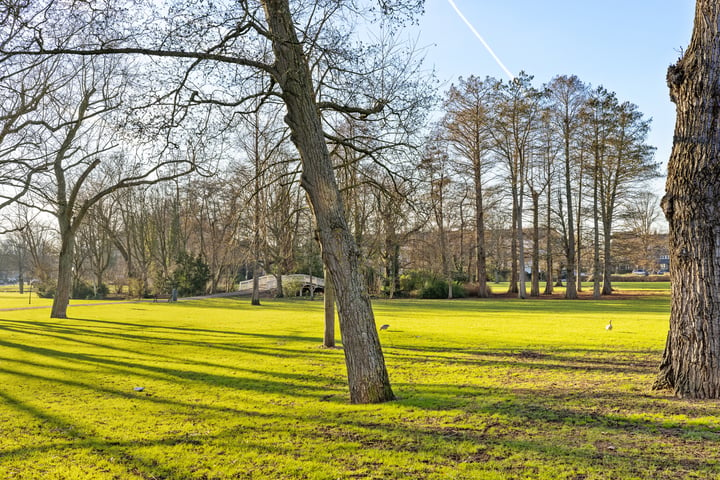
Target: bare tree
[(567, 96), (691, 362), (281, 42), (467, 122)]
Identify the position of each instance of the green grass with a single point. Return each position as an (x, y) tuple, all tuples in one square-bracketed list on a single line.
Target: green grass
[(487, 389)]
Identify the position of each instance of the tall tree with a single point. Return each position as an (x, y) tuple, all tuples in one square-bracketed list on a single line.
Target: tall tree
[(627, 161), (691, 363), (435, 163), (514, 131), (467, 121), (285, 43), (567, 97)]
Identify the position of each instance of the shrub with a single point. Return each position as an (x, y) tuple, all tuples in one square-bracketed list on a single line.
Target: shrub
[(438, 288), (292, 288), (46, 290)]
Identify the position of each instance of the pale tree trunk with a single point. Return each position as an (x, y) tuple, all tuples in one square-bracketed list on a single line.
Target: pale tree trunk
[(691, 362), (329, 299), (578, 234), (521, 174), (513, 287), (571, 290), (548, 245), (481, 256), (367, 375)]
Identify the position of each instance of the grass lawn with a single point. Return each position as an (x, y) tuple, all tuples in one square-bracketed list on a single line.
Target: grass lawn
[(488, 389)]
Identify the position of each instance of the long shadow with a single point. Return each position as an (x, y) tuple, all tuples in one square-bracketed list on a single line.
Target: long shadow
[(538, 360), (295, 384), (146, 327)]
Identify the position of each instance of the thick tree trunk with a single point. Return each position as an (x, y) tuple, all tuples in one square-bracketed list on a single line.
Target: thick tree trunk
[(64, 280), (691, 362), (367, 376)]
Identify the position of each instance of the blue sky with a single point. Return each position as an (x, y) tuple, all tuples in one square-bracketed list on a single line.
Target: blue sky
[(624, 45)]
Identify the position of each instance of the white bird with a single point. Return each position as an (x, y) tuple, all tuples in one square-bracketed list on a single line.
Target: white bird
[(609, 325)]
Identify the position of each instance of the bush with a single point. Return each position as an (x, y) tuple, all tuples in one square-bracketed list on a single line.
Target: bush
[(46, 290), (426, 285), (292, 288), (438, 288)]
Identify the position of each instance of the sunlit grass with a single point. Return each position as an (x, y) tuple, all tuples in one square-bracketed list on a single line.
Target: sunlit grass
[(486, 389)]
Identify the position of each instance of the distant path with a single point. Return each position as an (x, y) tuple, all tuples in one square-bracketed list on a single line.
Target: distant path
[(267, 283)]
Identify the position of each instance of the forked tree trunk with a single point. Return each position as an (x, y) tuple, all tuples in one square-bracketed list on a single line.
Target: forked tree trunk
[(367, 376), (691, 362)]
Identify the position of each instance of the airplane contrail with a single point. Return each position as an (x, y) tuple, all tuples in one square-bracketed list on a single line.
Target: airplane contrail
[(482, 40)]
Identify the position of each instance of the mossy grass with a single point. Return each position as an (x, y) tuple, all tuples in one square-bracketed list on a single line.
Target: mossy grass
[(216, 389)]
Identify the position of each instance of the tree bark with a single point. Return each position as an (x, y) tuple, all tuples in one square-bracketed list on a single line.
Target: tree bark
[(329, 299), (367, 375), (691, 362), (63, 291)]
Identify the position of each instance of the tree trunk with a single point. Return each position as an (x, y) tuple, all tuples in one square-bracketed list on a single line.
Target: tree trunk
[(329, 299), (481, 256), (596, 234), (571, 290), (535, 279), (513, 287), (367, 376), (279, 293), (607, 252), (691, 362), (548, 245), (64, 279), (578, 233), (255, 297)]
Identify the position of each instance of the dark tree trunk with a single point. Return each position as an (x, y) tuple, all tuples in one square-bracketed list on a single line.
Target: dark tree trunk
[(691, 362), (367, 376), (279, 293)]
